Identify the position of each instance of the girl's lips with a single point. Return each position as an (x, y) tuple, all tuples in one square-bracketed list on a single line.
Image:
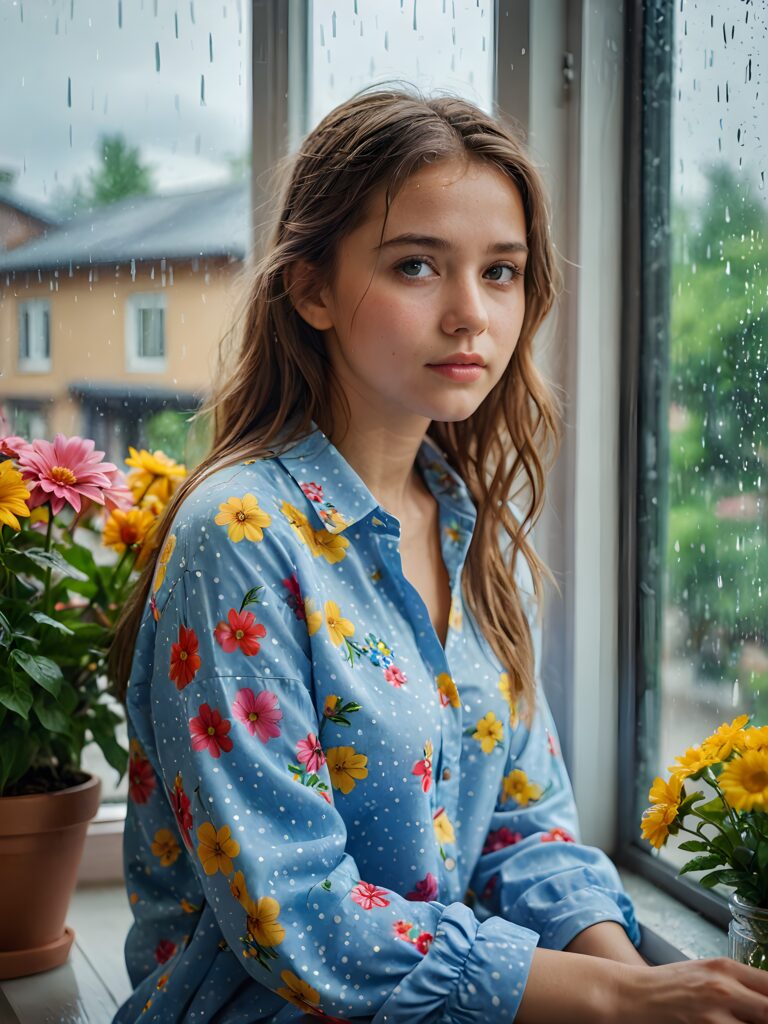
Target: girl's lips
[(464, 372)]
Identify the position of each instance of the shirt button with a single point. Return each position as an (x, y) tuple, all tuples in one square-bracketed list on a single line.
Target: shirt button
[(450, 863), (446, 774)]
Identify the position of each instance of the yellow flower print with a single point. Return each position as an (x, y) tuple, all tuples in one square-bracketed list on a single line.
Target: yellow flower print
[(331, 703), (238, 888), (443, 828), (263, 926), (299, 992), (243, 518), (337, 521), (332, 546), (338, 627), (517, 787), (453, 533), (187, 907), (346, 767), (134, 898), (165, 847), (508, 693), (449, 693), (490, 731), (314, 618), (216, 849), (455, 616), (163, 560), (300, 525)]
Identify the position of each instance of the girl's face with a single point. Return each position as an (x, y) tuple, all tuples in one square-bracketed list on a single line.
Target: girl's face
[(454, 288)]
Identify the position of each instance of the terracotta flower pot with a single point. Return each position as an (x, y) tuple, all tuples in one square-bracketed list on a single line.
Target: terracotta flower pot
[(41, 843)]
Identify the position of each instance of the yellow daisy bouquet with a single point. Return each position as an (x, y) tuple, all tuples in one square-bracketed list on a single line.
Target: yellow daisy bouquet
[(73, 531), (730, 831)]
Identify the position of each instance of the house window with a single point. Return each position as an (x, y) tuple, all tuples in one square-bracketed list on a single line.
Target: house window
[(145, 333), (35, 336)]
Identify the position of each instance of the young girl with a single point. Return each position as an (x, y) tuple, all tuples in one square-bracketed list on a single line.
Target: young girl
[(348, 798)]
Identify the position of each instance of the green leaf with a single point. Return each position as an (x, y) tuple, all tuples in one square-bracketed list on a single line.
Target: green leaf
[(46, 620), (693, 846), (762, 857), (52, 718), (252, 597), (16, 696), (44, 671), (116, 756), (704, 863), (711, 880), (714, 807), (54, 560)]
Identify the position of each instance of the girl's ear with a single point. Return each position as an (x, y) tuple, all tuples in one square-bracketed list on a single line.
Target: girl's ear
[(310, 299)]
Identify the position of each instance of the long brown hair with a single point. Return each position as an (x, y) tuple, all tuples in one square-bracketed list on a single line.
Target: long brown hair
[(275, 380)]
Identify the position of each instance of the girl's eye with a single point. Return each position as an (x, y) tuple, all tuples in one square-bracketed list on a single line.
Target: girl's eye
[(515, 271)]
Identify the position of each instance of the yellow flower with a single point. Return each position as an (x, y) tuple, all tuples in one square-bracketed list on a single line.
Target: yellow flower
[(332, 546), (443, 828), (655, 823), (331, 703), (163, 560), (723, 741), (299, 992), (152, 504), (517, 787), (13, 495), (338, 628), (300, 525), (668, 793), (216, 849), (314, 618), (154, 473), (238, 888), (263, 926), (165, 847), (490, 731), (346, 766), (744, 781), (754, 738), (692, 761), (127, 529), (243, 518), (508, 693), (448, 691)]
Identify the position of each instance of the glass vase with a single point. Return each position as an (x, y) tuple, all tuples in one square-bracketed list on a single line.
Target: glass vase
[(748, 933)]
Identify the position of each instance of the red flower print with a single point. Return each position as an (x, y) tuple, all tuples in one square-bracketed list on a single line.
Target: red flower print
[(423, 942), (180, 804), (164, 950), (489, 887), (424, 767), (551, 744), (310, 753), (402, 929), (295, 600), (368, 896), (209, 731), (425, 890), (241, 632), (501, 838), (259, 712), (558, 835), (394, 676), (185, 661), (141, 779), (313, 491)]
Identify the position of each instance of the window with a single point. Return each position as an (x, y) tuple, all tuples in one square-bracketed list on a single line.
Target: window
[(27, 418), (695, 634), (35, 336), (145, 333)]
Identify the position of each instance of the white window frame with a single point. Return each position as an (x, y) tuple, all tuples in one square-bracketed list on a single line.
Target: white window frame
[(134, 361), (39, 346)]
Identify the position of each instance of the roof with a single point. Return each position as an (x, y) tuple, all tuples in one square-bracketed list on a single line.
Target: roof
[(176, 226), (29, 207)]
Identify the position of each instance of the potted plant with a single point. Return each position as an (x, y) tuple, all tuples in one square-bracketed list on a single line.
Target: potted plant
[(72, 530)]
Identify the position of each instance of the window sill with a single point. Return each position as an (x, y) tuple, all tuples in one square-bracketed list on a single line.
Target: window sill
[(671, 931)]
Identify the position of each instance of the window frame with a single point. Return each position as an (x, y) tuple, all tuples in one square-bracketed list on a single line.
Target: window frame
[(134, 304), (41, 308)]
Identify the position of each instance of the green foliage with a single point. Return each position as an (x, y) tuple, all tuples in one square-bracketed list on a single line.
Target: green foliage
[(120, 173)]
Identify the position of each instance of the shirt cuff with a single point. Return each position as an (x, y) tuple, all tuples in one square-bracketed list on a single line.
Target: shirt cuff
[(581, 909)]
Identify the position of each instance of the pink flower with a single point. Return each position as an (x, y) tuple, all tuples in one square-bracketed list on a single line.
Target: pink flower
[(295, 600), (313, 491), (209, 732), (259, 713), (368, 896), (118, 495), (394, 676), (425, 890), (500, 839), (558, 835), (551, 744), (64, 472), (241, 632), (310, 753), (11, 445), (423, 942)]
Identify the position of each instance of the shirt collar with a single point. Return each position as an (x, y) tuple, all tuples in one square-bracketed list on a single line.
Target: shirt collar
[(339, 498)]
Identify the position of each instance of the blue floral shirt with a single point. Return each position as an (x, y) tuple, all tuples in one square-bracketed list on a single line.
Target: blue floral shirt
[(330, 813)]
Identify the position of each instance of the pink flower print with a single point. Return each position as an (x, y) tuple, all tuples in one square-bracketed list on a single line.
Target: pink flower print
[(425, 890), (402, 929), (423, 942), (295, 600), (558, 835), (241, 630), (394, 676), (368, 896), (310, 753), (424, 767), (313, 491), (209, 732), (551, 744), (259, 712), (500, 839)]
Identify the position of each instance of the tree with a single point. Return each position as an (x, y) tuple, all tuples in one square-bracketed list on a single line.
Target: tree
[(121, 172)]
